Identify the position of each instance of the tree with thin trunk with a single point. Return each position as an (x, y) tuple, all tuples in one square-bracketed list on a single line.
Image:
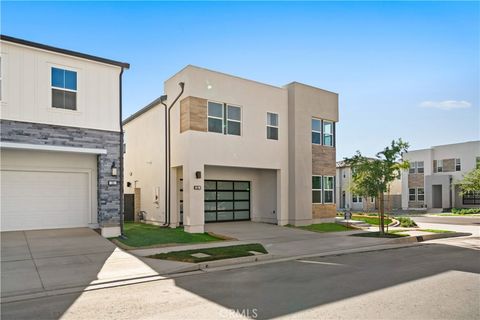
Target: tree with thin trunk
[(372, 176), (470, 182)]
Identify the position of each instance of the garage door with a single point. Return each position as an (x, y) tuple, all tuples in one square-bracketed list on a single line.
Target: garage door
[(44, 199), (227, 200)]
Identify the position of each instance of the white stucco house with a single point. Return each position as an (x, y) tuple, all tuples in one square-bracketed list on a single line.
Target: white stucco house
[(240, 150), (431, 182), (60, 138)]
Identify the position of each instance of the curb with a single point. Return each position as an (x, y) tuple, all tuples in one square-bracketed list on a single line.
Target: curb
[(433, 236)]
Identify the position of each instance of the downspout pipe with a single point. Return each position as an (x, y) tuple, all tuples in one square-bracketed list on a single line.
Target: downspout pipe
[(162, 101), (122, 233), (168, 150)]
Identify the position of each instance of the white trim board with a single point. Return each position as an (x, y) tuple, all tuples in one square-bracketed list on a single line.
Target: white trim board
[(44, 147)]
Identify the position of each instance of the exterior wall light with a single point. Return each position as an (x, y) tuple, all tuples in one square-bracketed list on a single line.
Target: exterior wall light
[(114, 169), (198, 174)]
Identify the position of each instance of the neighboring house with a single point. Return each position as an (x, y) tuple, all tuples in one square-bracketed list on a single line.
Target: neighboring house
[(240, 150), (60, 138), (346, 200), (431, 181)]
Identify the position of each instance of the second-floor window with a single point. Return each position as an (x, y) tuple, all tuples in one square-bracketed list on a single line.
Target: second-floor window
[(420, 167), (416, 167), (272, 126), (439, 165), (64, 89), (458, 165), (316, 131), (328, 133), (224, 118)]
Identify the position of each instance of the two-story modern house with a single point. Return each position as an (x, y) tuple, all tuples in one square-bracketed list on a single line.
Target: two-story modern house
[(346, 200), (60, 138), (430, 183), (240, 150)]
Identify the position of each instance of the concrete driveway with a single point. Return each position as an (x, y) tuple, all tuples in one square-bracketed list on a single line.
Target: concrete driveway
[(43, 260), (287, 242)]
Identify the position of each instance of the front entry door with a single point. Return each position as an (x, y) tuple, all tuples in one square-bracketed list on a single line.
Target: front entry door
[(437, 196), (227, 200)]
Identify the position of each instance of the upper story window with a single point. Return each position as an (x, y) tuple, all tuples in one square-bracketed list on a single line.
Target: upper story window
[(224, 118), (458, 165), (64, 89), (416, 167), (328, 188), (272, 126), (413, 167), (439, 165), (316, 189), (316, 131), (328, 133)]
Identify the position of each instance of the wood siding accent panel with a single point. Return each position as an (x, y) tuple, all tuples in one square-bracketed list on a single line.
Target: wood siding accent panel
[(193, 114), (323, 160), (322, 211), (449, 165), (415, 180)]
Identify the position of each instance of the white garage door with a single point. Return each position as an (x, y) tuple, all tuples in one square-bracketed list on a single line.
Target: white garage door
[(44, 199)]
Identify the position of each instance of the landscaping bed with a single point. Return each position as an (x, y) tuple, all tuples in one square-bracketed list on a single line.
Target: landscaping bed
[(325, 227), (141, 235), (373, 220), (211, 254)]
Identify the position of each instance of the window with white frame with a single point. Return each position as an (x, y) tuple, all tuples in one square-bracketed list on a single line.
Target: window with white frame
[(356, 199), (317, 189), (215, 117), (412, 195), (316, 131), (413, 167), (439, 165), (328, 188), (458, 165), (64, 89), (272, 126), (372, 199), (420, 194), (328, 133), (420, 168)]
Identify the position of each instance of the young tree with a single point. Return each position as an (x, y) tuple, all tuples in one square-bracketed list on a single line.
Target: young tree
[(372, 176), (471, 182)]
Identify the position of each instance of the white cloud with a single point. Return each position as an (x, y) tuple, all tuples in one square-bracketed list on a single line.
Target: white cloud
[(446, 104)]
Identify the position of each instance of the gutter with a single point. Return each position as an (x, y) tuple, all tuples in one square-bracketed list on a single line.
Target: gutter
[(122, 235)]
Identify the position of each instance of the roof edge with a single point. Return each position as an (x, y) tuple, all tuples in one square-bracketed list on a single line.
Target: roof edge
[(63, 51), (137, 114)]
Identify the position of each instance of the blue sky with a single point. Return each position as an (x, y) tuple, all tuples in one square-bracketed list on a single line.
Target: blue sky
[(402, 69)]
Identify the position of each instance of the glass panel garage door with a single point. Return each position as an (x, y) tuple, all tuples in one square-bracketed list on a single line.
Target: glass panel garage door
[(227, 200)]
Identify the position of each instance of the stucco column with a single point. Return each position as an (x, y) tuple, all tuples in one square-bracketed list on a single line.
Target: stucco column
[(193, 194), (282, 197)]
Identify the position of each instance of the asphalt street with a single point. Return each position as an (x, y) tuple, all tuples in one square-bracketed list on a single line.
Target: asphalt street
[(432, 281)]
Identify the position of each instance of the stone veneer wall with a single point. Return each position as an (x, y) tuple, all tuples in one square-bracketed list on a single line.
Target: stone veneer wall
[(323, 164), (415, 180), (193, 114), (45, 134)]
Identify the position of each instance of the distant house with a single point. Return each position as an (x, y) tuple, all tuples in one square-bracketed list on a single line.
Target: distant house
[(346, 200), (240, 150), (431, 182), (60, 138)]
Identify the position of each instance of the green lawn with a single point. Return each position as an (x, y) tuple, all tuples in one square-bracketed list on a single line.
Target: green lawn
[(436, 231), (326, 227), (145, 235), (377, 235), (371, 220), (214, 253)]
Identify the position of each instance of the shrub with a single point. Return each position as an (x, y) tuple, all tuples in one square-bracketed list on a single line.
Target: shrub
[(406, 222), (465, 211)]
